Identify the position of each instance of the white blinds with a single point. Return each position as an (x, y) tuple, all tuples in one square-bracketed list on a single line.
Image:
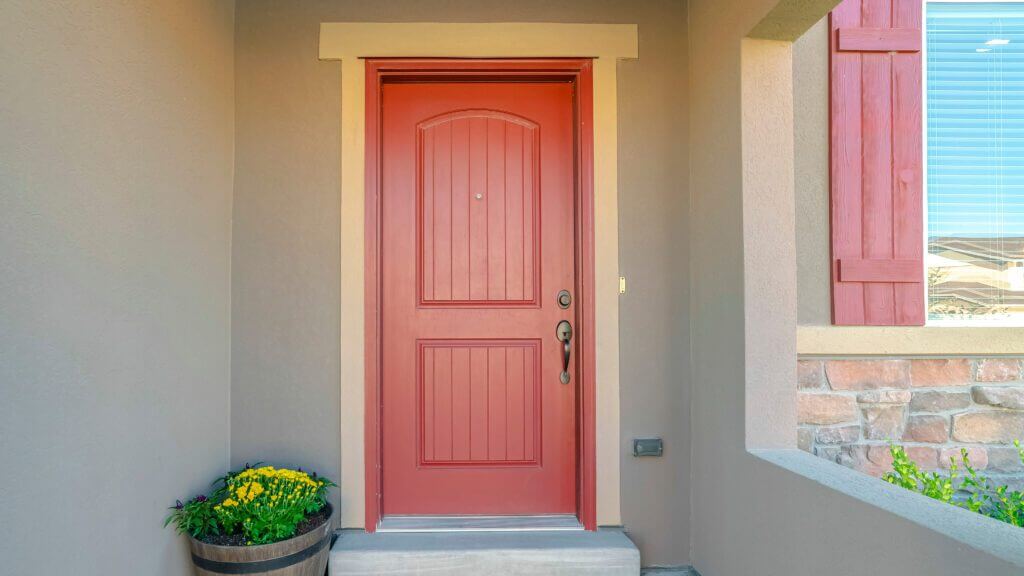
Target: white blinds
[(975, 163)]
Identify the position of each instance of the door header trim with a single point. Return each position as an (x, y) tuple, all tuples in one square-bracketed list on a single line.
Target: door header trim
[(343, 40)]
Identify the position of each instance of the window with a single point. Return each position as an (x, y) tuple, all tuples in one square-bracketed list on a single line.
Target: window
[(975, 162)]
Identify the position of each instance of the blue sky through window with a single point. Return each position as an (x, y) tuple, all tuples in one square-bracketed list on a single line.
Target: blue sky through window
[(975, 135), (975, 167)]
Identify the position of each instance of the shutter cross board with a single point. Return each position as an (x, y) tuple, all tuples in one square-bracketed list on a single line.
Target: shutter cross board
[(856, 270), (876, 174), (878, 39)]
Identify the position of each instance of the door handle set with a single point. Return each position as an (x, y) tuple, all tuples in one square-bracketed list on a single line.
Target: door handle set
[(563, 331)]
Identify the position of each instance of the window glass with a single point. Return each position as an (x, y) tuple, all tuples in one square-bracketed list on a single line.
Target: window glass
[(975, 162)]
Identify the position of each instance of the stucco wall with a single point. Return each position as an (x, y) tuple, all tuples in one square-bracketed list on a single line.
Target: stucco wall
[(285, 353), (810, 126), (116, 148)]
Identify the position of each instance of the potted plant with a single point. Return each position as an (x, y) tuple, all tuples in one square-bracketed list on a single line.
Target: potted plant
[(259, 520)]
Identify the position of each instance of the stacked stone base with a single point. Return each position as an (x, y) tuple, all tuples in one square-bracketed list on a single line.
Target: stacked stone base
[(849, 410)]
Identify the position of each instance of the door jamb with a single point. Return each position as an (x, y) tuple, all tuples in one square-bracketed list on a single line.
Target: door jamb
[(579, 71)]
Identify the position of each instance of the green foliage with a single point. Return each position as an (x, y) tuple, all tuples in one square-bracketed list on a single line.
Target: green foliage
[(264, 505), (1008, 506), (195, 517), (976, 492), (906, 474)]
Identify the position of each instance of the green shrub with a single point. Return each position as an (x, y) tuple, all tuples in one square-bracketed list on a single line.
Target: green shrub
[(263, 505), (195, 517), (976, 492)]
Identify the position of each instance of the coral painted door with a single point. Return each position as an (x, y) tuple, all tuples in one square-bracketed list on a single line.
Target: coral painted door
[(477, 187)]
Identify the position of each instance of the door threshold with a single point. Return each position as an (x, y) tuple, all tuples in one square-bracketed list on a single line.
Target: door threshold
[(549, 522)]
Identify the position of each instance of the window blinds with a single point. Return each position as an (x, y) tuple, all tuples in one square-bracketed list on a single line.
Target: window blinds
[(975, 162)]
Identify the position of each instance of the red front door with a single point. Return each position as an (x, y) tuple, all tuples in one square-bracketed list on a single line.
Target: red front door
[(477, 241)]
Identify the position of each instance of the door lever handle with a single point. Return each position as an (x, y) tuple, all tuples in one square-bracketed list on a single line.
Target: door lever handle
[(564, 334)]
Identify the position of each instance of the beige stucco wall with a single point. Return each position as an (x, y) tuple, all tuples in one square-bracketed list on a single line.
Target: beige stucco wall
[(116, 131), (286, 240), (810, 105)]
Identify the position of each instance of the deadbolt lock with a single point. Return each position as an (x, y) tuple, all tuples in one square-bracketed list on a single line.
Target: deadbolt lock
[(564, 299)]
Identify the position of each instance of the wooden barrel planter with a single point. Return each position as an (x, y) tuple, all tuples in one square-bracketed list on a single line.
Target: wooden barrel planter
[(303, 555)]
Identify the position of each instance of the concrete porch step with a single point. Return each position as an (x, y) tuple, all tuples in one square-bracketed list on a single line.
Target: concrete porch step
[(520, 553)]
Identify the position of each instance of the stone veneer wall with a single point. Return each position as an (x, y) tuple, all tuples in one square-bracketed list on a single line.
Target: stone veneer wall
[(849, 410)]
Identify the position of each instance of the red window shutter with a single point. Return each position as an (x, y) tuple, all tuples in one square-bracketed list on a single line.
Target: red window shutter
[(876, 177)]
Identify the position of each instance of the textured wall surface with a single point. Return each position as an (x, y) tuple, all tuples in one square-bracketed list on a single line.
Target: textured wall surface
[(810, 131), (116, 131), (285, 258)]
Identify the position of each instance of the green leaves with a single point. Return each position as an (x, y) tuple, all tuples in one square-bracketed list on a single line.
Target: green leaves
[(906, 474), (195, 517), (975, 492)]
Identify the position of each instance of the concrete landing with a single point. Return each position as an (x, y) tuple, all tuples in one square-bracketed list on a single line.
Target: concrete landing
[(522, 553)]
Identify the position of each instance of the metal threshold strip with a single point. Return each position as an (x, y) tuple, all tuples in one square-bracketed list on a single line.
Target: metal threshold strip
[(553, 522)]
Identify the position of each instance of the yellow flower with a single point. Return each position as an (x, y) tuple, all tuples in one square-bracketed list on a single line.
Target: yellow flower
[(249, 491)]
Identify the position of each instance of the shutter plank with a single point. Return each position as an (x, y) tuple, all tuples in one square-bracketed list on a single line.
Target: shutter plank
[(908, 232), (876, 183), (845, 162)]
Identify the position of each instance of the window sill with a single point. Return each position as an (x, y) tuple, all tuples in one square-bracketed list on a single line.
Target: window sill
[(909, 341)]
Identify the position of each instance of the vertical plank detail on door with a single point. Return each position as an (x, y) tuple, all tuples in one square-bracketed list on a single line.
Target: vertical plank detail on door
[(478, 184), (479, 402)]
